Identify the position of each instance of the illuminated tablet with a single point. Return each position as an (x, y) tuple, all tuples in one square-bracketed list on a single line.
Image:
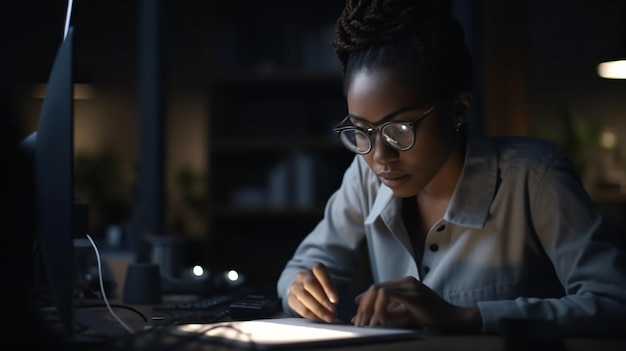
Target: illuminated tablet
[(290, 333)]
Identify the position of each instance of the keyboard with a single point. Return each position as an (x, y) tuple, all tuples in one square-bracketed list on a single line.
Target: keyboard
[(254, 307), (206, 309), (204, 303), (217, 308)]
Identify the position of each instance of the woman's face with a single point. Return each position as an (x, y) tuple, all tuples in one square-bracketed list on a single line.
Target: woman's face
[(374, 94)]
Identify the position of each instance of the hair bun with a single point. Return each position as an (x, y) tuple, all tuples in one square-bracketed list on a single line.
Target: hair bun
[(438, 8), (425, 9), (364, 23)]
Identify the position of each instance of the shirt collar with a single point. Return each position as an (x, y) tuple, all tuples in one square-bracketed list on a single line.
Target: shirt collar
[(382, 205), (471, 200)]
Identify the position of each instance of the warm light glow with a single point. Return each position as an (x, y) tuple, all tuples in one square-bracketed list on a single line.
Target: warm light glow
[(81, 91), (197, 270), (608, 140), (232, 275), (613, 69)]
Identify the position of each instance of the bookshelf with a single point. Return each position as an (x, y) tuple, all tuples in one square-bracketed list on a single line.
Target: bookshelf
[(275, 95)]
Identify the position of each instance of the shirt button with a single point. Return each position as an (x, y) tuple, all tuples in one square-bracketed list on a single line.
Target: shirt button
[(434, 247), (426, 269), (441, 228)]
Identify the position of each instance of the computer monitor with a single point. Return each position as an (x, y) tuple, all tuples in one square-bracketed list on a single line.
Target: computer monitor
[(55, 217)]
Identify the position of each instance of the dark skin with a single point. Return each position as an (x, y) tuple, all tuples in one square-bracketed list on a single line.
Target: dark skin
[(428, 172)]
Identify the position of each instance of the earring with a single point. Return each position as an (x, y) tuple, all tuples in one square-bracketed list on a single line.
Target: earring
[(459, 124)]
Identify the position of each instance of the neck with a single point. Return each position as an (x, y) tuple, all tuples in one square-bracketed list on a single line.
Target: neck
[(442, 186)]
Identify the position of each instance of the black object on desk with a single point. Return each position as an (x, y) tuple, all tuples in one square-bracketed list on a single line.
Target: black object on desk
[(206, 309), (204, 303), (218, 307), (142, 284), (254, 307)]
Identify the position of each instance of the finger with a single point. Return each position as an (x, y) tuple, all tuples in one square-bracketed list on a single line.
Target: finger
[(373, 310), (358, 298), (301, 309), (403, 309), (397, 315), (415, 308), (310, 307), (400, 315), (381, 305), (314, 297), (392, 304), (373, 306), (365, 307), (322, 275)]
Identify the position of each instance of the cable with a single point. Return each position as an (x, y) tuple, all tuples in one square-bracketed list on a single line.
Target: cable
[(96, 305), (68, 16), (104, 296)]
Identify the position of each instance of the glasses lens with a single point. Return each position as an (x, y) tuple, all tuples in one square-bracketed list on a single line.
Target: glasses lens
[(400, 136), (356, 140)]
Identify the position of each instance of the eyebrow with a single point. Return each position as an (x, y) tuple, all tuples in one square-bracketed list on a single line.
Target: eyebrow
[(386, 117)]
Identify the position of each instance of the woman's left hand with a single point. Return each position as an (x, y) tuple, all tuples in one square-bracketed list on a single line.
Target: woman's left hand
[(409, 303)]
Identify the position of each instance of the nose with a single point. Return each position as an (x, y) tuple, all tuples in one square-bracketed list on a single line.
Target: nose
[(383, 153)]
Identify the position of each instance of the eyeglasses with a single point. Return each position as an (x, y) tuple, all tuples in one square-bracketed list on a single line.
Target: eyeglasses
[(399, 135)]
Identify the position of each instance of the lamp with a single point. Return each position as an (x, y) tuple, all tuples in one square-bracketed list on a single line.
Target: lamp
[(615, 67)]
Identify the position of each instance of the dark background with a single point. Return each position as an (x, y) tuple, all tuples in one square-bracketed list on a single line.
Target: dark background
[(535, 75)]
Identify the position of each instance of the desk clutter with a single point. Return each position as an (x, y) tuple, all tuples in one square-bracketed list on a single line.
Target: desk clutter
[(96, 330), (219, 307)]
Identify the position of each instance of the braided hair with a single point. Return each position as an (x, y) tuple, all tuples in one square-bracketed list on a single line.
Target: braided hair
[(420, 38)]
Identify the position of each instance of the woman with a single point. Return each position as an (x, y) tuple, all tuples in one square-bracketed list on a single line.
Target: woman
[(463, 231)]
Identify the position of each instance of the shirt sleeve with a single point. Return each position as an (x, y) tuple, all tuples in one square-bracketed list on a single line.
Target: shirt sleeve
[(589, 261), (335, 239)]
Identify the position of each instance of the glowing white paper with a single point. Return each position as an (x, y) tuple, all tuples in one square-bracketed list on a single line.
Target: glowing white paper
[(291, 332)]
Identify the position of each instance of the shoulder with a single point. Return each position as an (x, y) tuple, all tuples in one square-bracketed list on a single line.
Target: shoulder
[(530, 154), (530, 149), (524, 159), (538, 163)]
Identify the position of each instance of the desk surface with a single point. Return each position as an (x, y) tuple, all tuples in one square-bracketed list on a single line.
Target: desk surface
[(144, 340), (425, 343)]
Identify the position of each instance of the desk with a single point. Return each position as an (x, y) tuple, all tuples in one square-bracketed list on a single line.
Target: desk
[(426, 342)]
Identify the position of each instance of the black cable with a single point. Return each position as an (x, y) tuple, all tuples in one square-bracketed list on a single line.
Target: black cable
[(97, 305), (166, 338)]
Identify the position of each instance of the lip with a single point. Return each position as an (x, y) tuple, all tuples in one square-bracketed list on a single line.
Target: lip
[(393, 180)]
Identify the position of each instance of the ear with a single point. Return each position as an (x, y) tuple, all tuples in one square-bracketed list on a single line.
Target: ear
[(462, 104)]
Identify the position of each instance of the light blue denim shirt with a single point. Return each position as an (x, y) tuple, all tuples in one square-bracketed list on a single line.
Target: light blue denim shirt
[(520, 239)]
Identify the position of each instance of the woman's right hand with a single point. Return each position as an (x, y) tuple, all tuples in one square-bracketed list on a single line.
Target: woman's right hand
[(313, 296)]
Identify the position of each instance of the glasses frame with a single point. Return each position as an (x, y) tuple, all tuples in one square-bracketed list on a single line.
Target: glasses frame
[(372, 132)]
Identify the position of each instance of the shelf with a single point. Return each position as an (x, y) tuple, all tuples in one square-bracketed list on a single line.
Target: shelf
[(276, 78), (275, 96), (252, 144), (239, 212)]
